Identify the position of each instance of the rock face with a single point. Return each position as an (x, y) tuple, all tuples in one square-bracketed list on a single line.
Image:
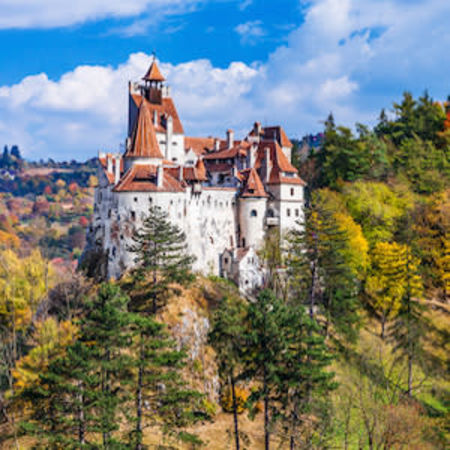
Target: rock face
[(187, 318), (192, 334)]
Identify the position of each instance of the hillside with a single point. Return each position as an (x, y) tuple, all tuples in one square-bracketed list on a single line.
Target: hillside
[(347, 345)]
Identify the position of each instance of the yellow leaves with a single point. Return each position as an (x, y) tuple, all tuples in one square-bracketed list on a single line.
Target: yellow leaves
[(226, 399), (358, 247), (443, 263), (23, 283), (394, 274), (49, 340), (9, 240)]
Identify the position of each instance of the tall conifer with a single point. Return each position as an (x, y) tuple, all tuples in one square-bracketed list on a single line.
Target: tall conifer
[(161, 259)]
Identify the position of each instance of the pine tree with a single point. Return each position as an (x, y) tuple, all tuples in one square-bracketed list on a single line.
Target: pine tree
[(227, 337), (265, 346), (319, 271), (304, 383), (157, 384), (161, 259), (80, 393)]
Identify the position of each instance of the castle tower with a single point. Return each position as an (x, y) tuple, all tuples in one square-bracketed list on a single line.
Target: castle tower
[(153, 80), (252, 209), (143, 147)]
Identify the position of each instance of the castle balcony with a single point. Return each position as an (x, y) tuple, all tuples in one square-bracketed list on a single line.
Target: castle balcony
[(272, 221)]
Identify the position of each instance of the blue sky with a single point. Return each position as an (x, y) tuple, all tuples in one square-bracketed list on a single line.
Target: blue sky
[(65, 65)]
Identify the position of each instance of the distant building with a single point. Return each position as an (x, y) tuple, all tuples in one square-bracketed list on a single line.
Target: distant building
[(223, 193)]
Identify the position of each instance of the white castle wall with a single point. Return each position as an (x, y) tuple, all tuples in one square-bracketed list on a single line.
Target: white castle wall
[(208, 220), (287, 205)]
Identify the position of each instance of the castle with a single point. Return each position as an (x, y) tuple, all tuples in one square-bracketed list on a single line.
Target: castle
[(223, 193)]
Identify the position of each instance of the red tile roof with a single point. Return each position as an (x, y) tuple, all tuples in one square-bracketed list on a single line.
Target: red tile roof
[(279, 162), (153, 73), (273, 133), (253, 186), (163, 110), (240, 148), (278, 134), (143, 178), (143, 140), (201, 170), (199, 145)]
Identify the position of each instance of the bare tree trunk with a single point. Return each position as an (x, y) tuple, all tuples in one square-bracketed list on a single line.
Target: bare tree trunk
[(139, 403), (312, 291), (235, 416)]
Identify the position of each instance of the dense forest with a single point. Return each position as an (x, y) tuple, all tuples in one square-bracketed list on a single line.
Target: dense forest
[(346, 346)]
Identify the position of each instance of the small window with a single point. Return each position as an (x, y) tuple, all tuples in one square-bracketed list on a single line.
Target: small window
[(288, 212), (296, 213), (133, 215), (109, 214), (243, 242), (150, 199), (292, 192), (253, 213), (174, 143), (225, 260), (135, 199)]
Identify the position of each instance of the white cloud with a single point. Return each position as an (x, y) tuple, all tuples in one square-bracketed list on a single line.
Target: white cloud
[(59, 13), (251, 31), (245, 4), (351, 57)]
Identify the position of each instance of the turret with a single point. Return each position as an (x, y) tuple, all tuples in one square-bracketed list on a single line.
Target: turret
[(252, 209)]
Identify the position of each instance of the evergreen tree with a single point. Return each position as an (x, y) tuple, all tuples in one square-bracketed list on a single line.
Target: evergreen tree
[(408, 328), (227, 337), (265, 346), (80, 393), (16, 152), (304, 383), (157, 384), (319, 271), (161, 259)]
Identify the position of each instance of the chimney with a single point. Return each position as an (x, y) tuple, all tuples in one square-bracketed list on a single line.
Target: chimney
[(155, 118), (180, 173), (109, 163), (267, 163), (117, 170), (230, 138), (169, 133), (216, 144), (160, 176), (257, 128)]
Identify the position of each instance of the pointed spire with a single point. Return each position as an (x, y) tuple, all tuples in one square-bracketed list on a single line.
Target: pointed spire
[(153, 73), (201, 170), (144, 143), (253, 185)]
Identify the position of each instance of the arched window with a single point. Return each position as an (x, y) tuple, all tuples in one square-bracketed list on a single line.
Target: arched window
[(253, 213), (270, 213)]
